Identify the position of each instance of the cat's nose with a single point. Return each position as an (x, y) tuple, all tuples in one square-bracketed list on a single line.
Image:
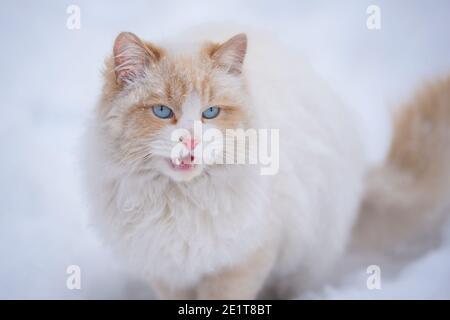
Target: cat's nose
[(190, 143)]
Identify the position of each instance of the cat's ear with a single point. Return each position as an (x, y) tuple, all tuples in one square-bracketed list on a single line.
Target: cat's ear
[(132, 56), (231, 53)]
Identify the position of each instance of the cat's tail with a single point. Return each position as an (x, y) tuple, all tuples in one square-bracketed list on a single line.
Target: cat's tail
[(407, 198)]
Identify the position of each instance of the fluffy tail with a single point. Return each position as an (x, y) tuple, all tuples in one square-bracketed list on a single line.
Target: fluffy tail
[(408, 197)]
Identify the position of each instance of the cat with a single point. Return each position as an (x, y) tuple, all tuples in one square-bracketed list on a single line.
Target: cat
[(221, 231)]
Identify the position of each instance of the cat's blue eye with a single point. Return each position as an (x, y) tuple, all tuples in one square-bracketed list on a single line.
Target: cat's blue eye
[(211, 112), (162, 111)]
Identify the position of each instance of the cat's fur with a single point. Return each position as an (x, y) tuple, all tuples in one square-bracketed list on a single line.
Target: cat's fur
[(222, 231), (407, 198)]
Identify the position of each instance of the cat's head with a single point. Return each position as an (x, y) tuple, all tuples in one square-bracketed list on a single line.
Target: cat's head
[(151, 92)]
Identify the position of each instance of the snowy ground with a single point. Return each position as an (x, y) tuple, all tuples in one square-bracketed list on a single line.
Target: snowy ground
[(51, 78)]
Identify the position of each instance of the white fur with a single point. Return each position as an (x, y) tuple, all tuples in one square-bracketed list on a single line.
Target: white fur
[(180, 231)]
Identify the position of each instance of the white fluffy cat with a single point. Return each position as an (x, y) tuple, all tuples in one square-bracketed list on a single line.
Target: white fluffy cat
[(221, 231)]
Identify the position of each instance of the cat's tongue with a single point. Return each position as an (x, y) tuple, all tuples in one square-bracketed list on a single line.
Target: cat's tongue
[(183, 164)]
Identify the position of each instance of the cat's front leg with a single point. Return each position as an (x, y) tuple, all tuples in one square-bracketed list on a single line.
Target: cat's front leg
[(240, 282)]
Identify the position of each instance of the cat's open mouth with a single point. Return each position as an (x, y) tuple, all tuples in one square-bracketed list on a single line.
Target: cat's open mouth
[(182, 164)]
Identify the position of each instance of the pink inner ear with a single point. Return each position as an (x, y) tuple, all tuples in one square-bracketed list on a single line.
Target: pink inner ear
[(130, 56), (231, 54)]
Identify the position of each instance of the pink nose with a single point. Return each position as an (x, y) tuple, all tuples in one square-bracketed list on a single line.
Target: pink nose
[(190, 143)]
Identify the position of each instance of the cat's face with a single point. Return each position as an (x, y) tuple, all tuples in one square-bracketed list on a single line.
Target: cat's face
[(153, 98)]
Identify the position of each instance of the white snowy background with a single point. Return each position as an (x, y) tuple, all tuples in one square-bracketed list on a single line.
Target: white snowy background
[(50, 80)]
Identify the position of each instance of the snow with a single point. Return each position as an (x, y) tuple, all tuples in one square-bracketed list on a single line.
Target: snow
[(51, 80)]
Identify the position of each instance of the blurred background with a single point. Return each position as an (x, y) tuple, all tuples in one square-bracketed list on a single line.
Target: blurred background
[(50, 80)]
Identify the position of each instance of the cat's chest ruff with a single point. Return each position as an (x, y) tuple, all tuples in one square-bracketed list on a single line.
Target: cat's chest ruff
[(203, 224), (193, 231)]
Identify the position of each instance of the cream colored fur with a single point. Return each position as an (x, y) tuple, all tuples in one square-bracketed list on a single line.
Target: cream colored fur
[(407, 197), (230, 232)]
